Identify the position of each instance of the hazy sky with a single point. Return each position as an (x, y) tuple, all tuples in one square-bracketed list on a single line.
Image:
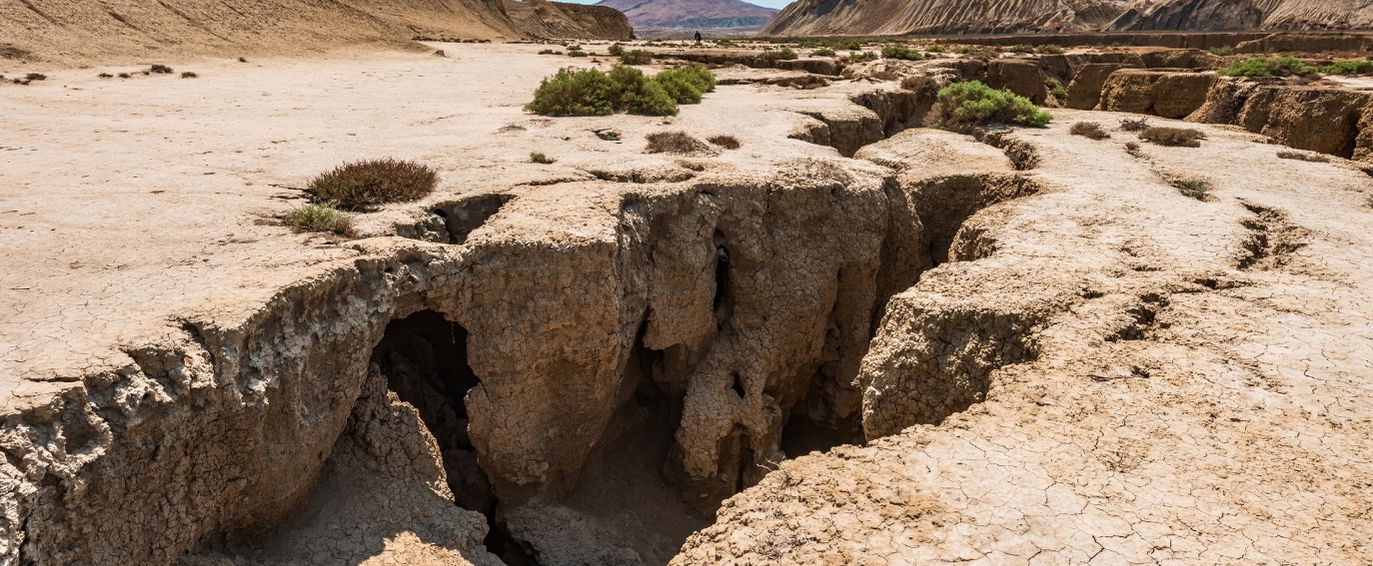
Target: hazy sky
[(769, 3)]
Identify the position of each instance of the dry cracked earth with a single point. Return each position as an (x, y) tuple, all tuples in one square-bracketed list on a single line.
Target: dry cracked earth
[(848, 341)]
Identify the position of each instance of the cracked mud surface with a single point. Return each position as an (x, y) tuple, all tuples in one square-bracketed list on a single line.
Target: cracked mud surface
[(1054, 356)]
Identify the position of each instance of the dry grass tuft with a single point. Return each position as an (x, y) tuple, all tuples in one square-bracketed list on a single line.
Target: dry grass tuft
[(1134, 149), (1134, 124), (540, 157), (1173, 137), (1303, 156), (727, 142), (1194, 187), (366, 184), (674, 142), (322, 217), (1090, 130), (160, 69)]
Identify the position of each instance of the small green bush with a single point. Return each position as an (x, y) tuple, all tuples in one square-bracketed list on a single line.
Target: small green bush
[(322, 217), (852, 45), (573, 92), (936, 49), (615, 49), (783, 54), (635, 94), (1022, 48), (971, 102), (1090, 130), (822, 52), (1049, 49), (860, 56), (1348, 67), (541, 158), (1268, 67), (1174, 137), (1055, 87), (902, 52), (686, 84), (1223, 51), (366, 184), (636, 57), (577, 53)]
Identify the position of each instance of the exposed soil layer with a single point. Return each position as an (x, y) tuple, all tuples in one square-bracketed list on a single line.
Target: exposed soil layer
[(848, 338)]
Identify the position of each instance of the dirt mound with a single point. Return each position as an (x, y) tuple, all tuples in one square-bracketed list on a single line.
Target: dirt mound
[(564, 20)]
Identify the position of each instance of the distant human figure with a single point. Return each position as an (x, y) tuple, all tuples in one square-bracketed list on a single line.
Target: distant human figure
[(698, 38)]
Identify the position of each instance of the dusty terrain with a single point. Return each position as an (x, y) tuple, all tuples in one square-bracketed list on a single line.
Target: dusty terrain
[(874, 343)]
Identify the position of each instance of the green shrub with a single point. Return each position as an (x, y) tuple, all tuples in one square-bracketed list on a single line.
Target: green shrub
[(686, 84), (902, 52), (783, 54), (1022, 48), (366, 184), (634, 93), (936, 49), (1348, 67), (322, 217), (636, 57), (1223, 51), (573, 92), (860, 56), (1049, 49), (971, 102), (852, 45), (615, 49), (822, 52), (1174, 137), (1268, 67), (1090, 130), (1055, 87), (577, 53), (541, 158)]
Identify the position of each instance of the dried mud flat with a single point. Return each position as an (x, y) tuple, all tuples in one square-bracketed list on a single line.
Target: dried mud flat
[(844, 342)]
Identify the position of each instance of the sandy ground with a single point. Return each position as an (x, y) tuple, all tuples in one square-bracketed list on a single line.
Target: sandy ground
[(125, 203)]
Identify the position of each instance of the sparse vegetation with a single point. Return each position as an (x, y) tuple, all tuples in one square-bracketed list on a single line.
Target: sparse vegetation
[(725, 141), (860, 56), (160, 69), (1348, 67), (1223, 51), (1303, 156), (365, 184), (674, 142), (35, 77), (125, 75), (822, 52), (615, 49), (775, 55), (1055, 88), (1194, 187), (242, 59), (12, 52), (902, 52), (1268, 67), (636, 57), (189, 75), (1134, 124), (1175, 137), (936, 49), (541, 158), (577, 53), (321, 217), (1134, 149), (1022, 48), (1090, 130), (972, 102), (1049, 49), (105, 76), (591, 92)]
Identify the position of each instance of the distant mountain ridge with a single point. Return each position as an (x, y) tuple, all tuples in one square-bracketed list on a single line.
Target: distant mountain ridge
[(706, 15), (898, 17)]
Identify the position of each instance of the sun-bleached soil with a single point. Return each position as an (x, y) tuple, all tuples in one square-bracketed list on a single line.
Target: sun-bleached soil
[(1030, 349)]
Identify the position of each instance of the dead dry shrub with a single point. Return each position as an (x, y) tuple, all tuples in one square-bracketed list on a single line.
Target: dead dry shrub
[(1303, 156), (1134, 124), (1090, 130), (541, 158), (674, 142), (1194, 187), (366, 184), (727, 142), (1134, 149), (1173, 137), (160, 69)]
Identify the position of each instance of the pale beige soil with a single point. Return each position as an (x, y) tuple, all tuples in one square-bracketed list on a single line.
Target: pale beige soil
[(1092, 368)]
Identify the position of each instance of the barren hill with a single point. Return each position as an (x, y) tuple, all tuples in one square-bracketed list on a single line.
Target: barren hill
[(893, 17), (114, 31), (1248, 14), (543, 19), (692, 14)]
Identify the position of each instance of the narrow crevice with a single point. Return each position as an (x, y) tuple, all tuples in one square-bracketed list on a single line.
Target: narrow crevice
[(461, 217)]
